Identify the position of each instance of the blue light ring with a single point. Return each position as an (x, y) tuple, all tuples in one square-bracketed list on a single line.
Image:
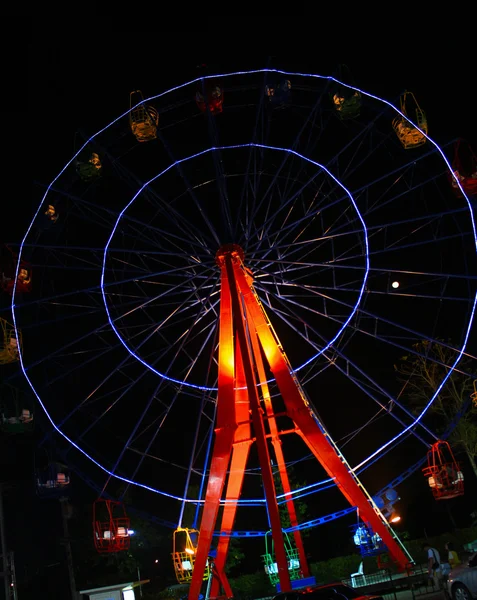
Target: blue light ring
[(214, 148), (371, 457)]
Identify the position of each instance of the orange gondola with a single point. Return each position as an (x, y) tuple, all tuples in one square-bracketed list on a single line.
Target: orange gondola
[(409, 135), (143, 118)]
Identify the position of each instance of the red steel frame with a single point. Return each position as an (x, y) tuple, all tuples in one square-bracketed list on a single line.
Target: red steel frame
[(245, 334)]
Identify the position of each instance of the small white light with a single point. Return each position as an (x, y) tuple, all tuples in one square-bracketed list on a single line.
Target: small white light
[(395, 284), (131, 532)]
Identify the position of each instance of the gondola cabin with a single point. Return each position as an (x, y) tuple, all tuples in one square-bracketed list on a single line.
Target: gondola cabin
[(16, 414), (17, 421), (111, 526), (50, 215), (347, 104), (91, 169), (271, 565), (209, 97), (53, 480), (443, 472), (143, 118), (183, 554), (279, 95), (368, 542), (408, 134), (24, 278), (10, 343), (345, 97), (464, 169)]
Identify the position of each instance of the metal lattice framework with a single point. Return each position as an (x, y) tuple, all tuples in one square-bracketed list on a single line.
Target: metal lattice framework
[(358, 249)]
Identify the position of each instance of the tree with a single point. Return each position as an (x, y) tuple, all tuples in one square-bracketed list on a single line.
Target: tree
[(301, 507), (421, 375)]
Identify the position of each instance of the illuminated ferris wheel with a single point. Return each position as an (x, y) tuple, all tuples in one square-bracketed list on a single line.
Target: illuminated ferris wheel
[(216, 287)]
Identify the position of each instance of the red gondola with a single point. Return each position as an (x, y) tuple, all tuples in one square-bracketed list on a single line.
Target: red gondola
[(464, 167), (8, 269), (210, 96), (111, 526), (23, 279), (443, 472)]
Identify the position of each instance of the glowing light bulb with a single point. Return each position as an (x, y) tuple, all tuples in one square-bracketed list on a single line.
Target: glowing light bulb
[(395, 284), (395, 518)]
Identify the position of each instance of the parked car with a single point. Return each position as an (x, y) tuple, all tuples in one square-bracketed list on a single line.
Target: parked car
[(330, 591), (462, 581)]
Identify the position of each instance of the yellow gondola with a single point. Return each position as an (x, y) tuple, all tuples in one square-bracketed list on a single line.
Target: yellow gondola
[(143, 119), (9, 344), (409, 135), (183, 554)]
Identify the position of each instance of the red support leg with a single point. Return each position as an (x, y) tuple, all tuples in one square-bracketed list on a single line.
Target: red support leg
[(307, 426), (244, 333), (257, 419), (224, 436), (240, 453)]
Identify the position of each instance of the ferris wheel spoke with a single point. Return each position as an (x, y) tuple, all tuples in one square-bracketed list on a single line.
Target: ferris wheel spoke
[(295, 246), (139, 227), (190, 191), (179, 310), (188, 302), (373, 390), (389, 175), (376, 321), (253, 170), (370, 387), (125, 361)]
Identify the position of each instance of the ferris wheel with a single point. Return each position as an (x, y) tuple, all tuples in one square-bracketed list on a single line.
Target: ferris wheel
[(216, 287)]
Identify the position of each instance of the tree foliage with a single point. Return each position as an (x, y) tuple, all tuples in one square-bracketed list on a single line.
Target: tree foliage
[(301, 508), (421, 375)]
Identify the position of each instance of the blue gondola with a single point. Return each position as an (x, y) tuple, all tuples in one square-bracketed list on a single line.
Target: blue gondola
[(368, 542)]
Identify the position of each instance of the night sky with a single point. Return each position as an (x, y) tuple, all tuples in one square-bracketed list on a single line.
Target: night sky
[(71, 85)]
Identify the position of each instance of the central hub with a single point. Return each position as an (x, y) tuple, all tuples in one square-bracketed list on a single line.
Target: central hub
[(233, 250)]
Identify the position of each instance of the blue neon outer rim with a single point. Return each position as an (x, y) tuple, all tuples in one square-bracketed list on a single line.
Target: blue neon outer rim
[(297, 74)]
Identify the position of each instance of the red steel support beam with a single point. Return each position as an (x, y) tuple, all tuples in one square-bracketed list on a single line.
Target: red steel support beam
[(231, 263), (224, 437), (240, 453), (299, 410)]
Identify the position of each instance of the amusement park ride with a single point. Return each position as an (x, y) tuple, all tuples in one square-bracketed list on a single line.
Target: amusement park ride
[(247, 414)]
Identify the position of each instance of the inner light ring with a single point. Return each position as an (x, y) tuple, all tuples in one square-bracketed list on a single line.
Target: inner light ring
[(366, 266)]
